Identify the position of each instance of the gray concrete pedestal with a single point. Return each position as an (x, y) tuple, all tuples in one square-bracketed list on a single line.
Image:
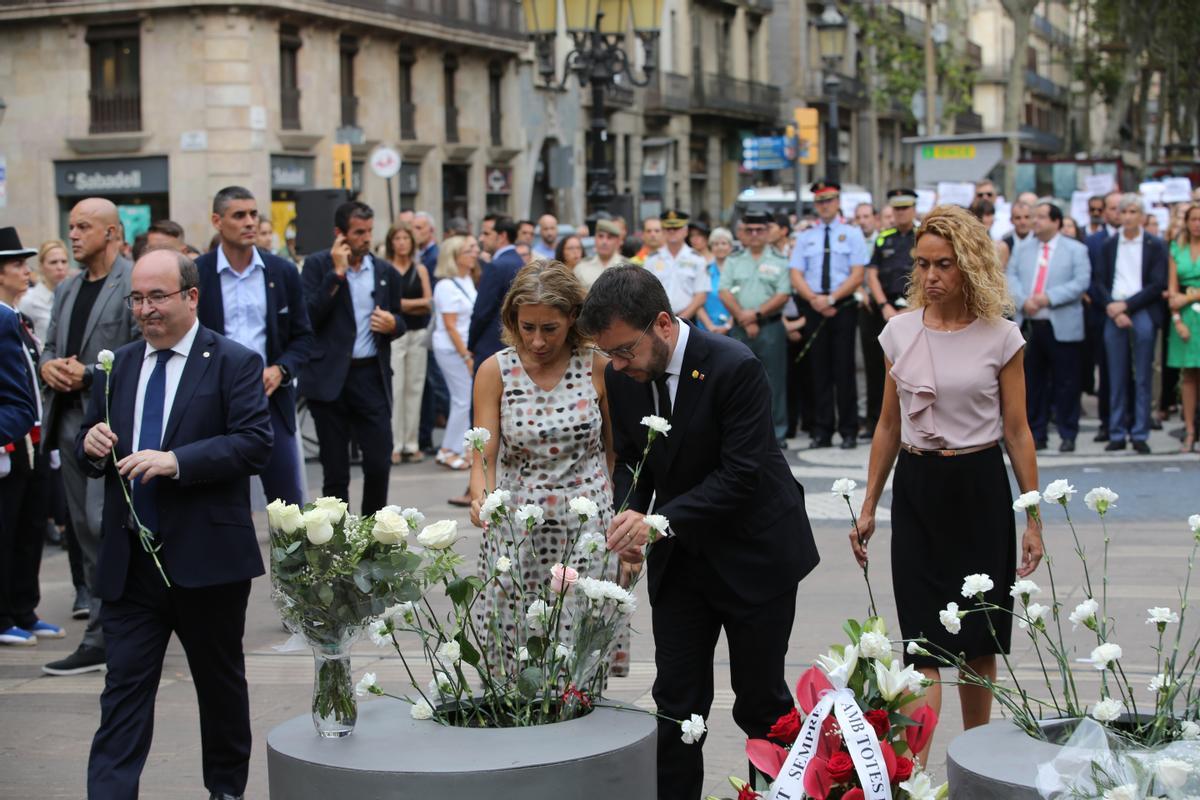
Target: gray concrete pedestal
[(997, 761), (610, 753)]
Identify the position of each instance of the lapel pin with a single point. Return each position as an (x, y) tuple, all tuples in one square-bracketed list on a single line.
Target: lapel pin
[(701, 376), (271, 284), (206, 354), (695, 374)]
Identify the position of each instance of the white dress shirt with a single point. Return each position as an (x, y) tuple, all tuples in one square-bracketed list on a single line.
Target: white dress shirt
[(1128, 278), (675, 364), (683, 275), (244, 299), (175, 365)]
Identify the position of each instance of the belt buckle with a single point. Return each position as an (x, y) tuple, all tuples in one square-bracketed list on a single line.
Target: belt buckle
[(946, 453)]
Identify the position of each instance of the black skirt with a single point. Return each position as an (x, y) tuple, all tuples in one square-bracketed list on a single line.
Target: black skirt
[(952, 517)]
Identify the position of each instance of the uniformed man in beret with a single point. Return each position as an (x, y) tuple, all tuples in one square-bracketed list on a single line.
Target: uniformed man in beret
[(827, 269), (681, 271), (608, 242), (887, 282), (755, 285)]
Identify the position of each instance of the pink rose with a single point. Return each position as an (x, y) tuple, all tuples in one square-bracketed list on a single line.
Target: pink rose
[(562, 578)]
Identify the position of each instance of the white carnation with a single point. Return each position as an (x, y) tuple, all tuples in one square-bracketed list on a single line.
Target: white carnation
[(1194, 523), (1189, 730), (1107, 710), (976, 584), (1023, 588), (476, 438), (450, 651), (693, 729), (843, 487), (495, 503), (657, 424), (584, 508), (105, 360), (659, 524), (1027, 500), (530, 515), (1100, 499), (874, 645), (421, 710), (1085, 612), (414, 518), (1105, 655), (1034, 613), (380, 632), (523, 654), (1059, 491), (951, 617), (368, 685), (592, 543), (503, 564), (1159, 682), (537, 615), (1160, 615), (562, 652)]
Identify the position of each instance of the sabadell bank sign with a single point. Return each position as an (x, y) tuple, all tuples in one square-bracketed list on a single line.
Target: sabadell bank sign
[(111, 177)]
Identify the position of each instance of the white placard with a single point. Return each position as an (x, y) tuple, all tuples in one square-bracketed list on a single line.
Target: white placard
[(1164, 219), (193, 141), (1099, 184), (258, 118), (1151, 192), (925, 200), (1176, 190), (852, 200), (1079, 207), (958, 193), (385, 162)]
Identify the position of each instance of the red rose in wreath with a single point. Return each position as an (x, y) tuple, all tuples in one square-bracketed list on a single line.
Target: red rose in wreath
[(841, 767), (786, 728), (904, 769), (878, 719)]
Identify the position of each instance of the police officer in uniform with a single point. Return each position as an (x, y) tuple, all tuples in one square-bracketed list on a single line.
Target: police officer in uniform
[(887, 282), (682, 272), (827, 269), (755, 285)]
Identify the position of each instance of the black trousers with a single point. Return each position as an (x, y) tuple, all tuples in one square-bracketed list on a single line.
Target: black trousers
[(829, 371), (799, 399), (688, 614), (870, 325), (1051, 378), (361, 412), (1093, 320), (22, 532), (209, 622)]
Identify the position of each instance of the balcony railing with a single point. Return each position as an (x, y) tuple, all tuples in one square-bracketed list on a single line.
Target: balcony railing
[(289, 109), (722, 94), (851, 90), (115, 110), (1039, 84), (670, 94), (496, 17), (968, 122)]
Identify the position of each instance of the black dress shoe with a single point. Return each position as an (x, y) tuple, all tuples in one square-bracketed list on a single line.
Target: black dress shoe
[(1039, 444), (849, 444), (223, 796), (1066, 446), (1115, 445), (84, 659), (818, 444), (1101, 435), (1142, 448)]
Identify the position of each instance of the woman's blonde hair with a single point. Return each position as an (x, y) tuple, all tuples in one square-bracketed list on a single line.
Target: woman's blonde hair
[(1183, 237), (44, 251), (985, 289), (544, 282), (447, 264)]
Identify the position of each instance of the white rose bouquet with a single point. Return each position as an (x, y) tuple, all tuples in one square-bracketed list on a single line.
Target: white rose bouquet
[(333, 572)]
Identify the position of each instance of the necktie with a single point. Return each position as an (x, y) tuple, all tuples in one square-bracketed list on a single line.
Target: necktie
[(150, 438), (825, 265), (664, 396), (1039, 283)]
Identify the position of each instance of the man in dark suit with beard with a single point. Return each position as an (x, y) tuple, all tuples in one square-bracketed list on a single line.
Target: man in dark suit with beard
[(740, 540)]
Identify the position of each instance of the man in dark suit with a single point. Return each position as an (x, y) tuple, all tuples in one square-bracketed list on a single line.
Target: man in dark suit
[(255, 298), (190, 425), (89, 315), (499, 239), (354, 304), (1094, 315), (1128, 284), (740, 540)]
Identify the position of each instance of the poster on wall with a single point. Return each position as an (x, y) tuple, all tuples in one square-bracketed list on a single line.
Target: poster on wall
[(135, 219)]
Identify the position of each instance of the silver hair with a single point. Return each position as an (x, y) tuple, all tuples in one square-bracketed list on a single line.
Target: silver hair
[(720, 233), (1130, 200), (425, 215)]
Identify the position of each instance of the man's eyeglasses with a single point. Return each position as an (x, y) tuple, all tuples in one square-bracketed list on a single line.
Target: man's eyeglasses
[(625, 352), (985, 195), (754, 229), (155, 299)]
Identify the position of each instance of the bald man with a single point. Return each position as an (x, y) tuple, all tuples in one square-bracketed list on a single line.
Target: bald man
[(89, 315), (547, 238)]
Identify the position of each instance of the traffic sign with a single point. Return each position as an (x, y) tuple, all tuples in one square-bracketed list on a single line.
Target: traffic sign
[(385, 162)]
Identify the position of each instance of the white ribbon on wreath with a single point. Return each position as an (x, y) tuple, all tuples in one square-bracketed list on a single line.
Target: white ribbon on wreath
[(861, 743)]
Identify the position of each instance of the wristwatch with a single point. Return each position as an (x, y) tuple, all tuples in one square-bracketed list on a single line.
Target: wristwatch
[(1177, 317), (287, 376)]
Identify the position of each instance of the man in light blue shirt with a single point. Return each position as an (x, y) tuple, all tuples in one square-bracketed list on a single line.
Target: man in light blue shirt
[(244, 297), (827, 269), (362, 287)]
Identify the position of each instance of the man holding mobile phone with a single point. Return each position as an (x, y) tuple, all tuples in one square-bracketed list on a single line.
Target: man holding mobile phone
[(354, 306)]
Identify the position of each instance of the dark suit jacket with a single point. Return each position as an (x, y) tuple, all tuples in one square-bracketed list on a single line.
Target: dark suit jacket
[(1154, 277), (719, 476), (430, 258), (332, 313), (289, 333), (219, 429), (17, 409), (484, 336)]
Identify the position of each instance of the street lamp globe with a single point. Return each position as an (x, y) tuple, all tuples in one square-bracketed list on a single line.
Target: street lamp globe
[(541, 17), (831, 35)]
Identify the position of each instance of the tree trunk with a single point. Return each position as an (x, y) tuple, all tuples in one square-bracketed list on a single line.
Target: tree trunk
[(1119, 110), (1021, 14)]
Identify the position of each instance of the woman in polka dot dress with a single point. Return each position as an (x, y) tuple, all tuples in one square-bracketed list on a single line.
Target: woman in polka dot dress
[(543, 400)]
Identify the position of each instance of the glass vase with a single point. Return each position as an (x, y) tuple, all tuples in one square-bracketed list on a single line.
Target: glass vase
[(334, 704)]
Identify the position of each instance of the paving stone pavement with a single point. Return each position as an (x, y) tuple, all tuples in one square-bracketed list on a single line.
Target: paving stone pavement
[(49, 722)]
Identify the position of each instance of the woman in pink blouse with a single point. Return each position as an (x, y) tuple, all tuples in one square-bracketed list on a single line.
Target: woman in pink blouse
[(955, 388)]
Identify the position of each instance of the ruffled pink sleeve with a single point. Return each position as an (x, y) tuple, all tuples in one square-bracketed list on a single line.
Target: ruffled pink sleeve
[(914, 376)]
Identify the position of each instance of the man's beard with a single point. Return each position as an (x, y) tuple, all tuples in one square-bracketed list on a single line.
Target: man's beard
[(660, 356)]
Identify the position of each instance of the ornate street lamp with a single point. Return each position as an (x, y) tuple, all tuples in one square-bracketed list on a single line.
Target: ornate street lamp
[(597, 29), (831, 37)]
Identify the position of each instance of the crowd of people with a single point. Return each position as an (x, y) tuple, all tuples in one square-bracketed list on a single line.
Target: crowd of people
[(547, 335)]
